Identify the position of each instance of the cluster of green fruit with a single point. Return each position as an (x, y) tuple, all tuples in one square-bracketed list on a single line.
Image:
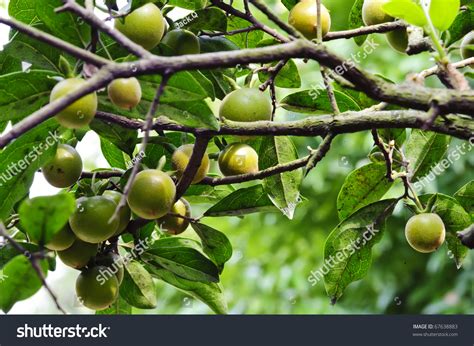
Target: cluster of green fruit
[(151, 196)]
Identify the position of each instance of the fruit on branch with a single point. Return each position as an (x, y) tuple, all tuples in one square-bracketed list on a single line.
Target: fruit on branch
[(372, 12), (81, 112), (95, 289), (180, 160), (125, 92), (425, 232), (303, 17), (398, 40), (182, 42), (114, 262), (91, 222), (65, 168), (152, 194), (245, 105), (144, 26), (124, 214), (175, 224), (62, 240), (238, 159), (467, 46), (78, 254)]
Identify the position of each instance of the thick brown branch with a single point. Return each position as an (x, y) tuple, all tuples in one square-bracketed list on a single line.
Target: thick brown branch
[(347, 122)]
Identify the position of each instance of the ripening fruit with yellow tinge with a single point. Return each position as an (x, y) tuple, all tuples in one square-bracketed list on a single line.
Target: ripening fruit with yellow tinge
[(238, 159), (152, 194), (180, 160), (425, 232), (81, 112), (175, 224), (373, 13), (304, 18), (125, 92), (398, 40)]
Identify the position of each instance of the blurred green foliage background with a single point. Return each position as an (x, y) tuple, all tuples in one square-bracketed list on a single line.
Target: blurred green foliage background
[(273, 256)]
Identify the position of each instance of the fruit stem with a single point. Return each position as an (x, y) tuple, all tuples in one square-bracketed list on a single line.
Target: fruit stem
[(442, 57)]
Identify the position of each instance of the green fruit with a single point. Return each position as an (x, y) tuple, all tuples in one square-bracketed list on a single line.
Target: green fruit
[(91, 222), (175, 224), (425, 232), (182, 42), (245, 105), (238, 159), (125, 92), (81, 112), (114, 262), (372, 12), (151, 194), (96, 291), (144, 26), (79, 254), (124, 214), (398, 39), (62, 240), (303, 17), (467, 46), (180, 160), (65, 168)]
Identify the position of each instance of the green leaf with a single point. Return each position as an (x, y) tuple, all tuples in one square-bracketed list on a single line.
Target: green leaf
[(444, 12), (119, 307), (181, 257), (214, 243), (246, 39), (282, 189), (253, 199), (26, 154), (138, 288), (424, 150), (199, 194), (288, 77), (316, 101), (209, 293), (114, 156), (355, 21), (463, 24), (22, 93), (43, 217), (212, 19), (465, 197), (8, 252), (348, 248), (407, 10), (363, 186), (122, 138), (455, 219), (289, 4), (189, 4), (20, 281)]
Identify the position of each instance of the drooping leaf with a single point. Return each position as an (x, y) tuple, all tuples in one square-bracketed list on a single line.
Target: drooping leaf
[(465, 197), (183, 259), (363, 186), (348, 248), (282, 189), (288, 77), (214, 243), (19, 281), (355, 20), (408, 10), (209, 293), (26, 154), (424, 150), (138, 288), (443, 13)]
